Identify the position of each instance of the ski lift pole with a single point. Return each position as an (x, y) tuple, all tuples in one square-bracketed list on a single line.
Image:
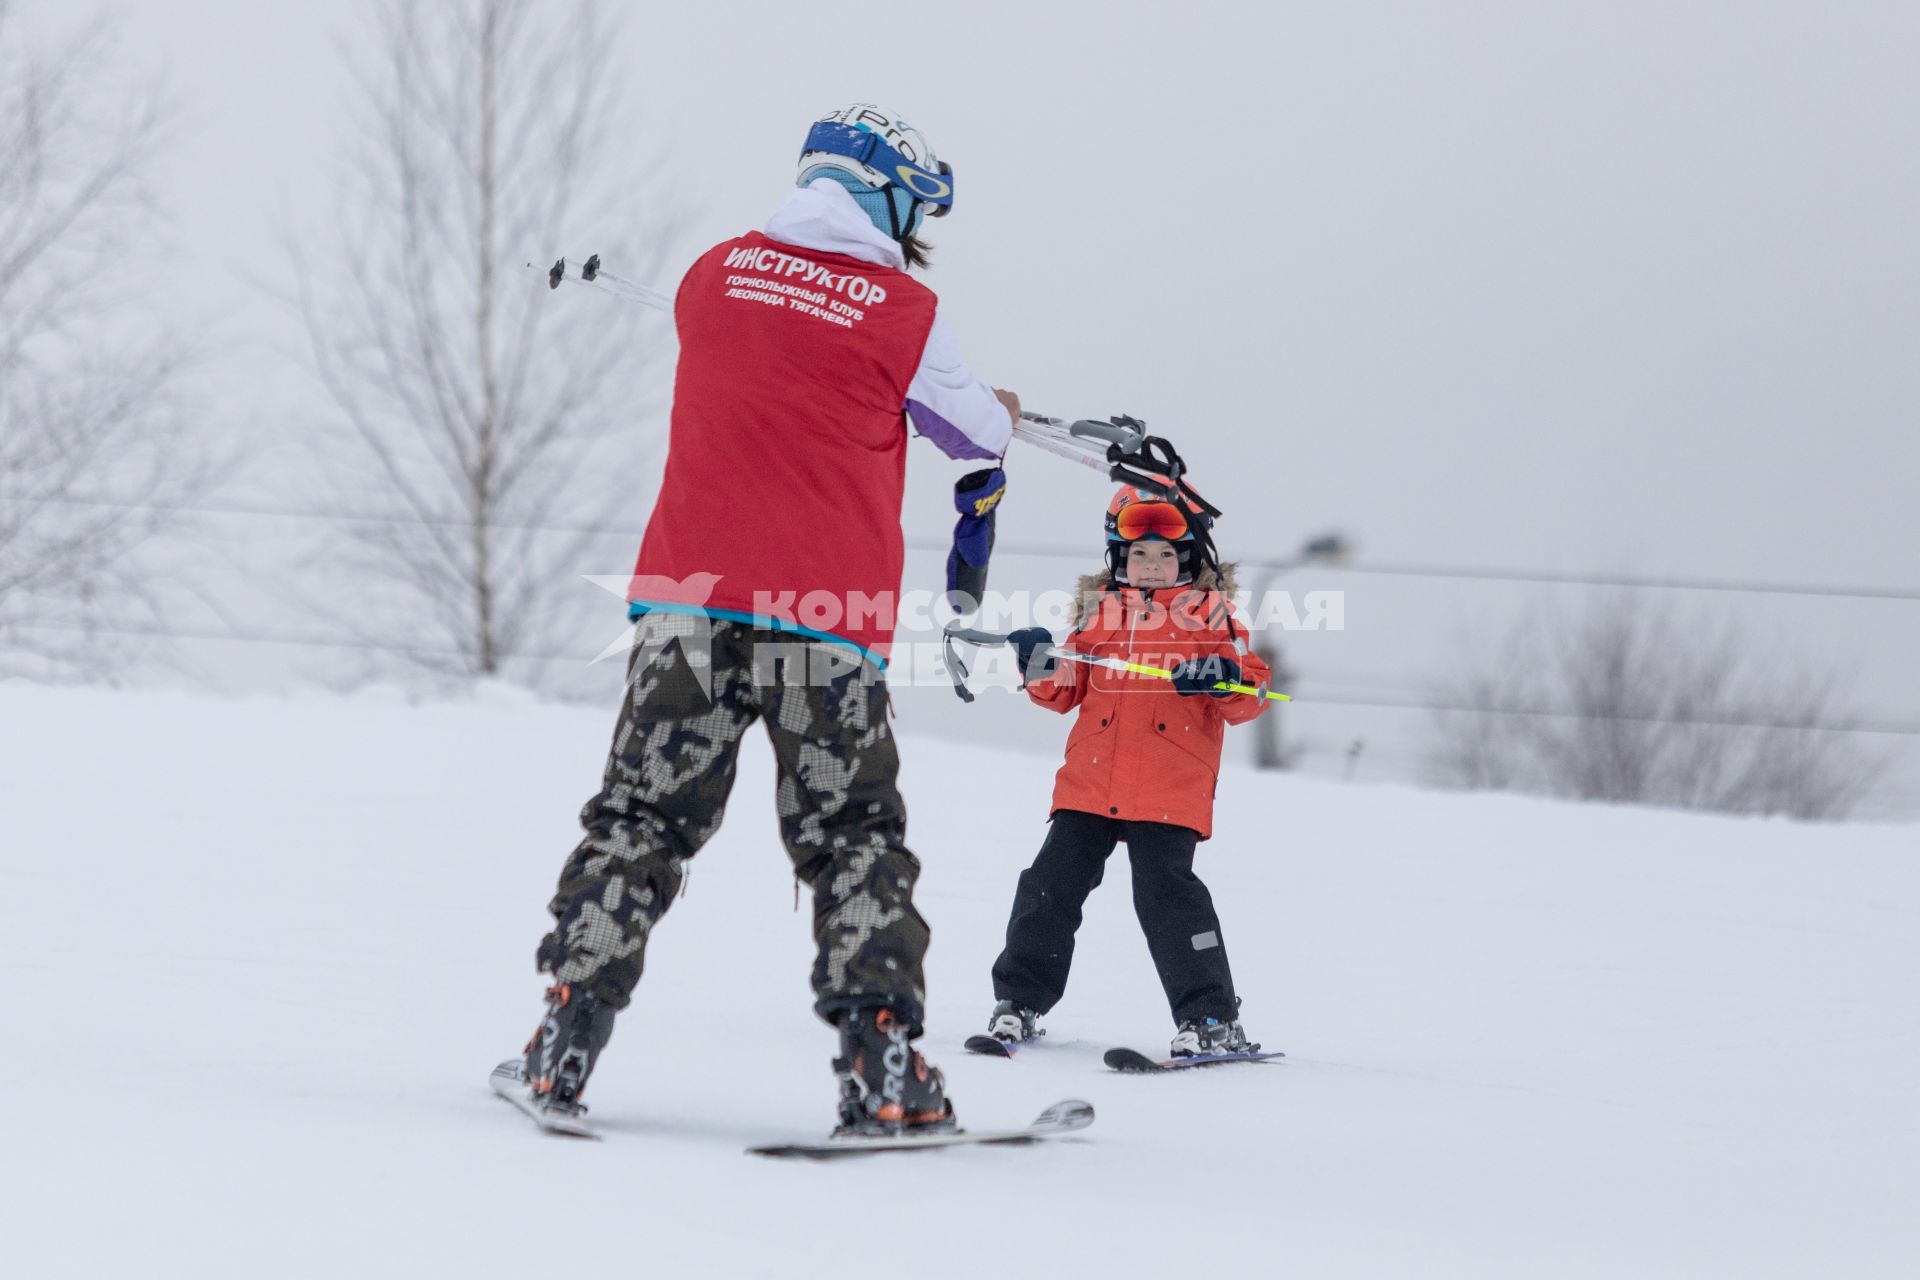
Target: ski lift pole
[(988, 639)]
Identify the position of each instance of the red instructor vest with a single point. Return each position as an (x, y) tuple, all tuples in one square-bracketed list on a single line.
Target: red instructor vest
[(786, 460)]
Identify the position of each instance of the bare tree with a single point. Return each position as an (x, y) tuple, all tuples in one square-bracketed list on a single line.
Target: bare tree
[(1631, 703), (495, 425), (93, 445)]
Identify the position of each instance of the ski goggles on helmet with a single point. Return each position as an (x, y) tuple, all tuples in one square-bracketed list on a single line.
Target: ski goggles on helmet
[(1137, 520), (932, 187)]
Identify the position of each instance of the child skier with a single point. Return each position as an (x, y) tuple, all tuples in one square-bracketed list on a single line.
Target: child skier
[(1141, 766)]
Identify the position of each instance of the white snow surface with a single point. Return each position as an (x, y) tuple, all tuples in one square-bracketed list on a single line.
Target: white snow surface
[(257, 958)]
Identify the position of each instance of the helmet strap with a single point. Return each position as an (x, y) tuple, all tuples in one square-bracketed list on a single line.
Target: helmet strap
[(902, 227)]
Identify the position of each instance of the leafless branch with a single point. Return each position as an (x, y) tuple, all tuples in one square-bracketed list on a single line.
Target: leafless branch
[(481, 401), (90, 393), (1650, 707)]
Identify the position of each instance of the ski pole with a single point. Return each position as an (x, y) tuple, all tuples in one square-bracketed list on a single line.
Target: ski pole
[(986, 639), (1058, 447), (1088, 442), (1089, 435), (1120, 664), (592, 273)]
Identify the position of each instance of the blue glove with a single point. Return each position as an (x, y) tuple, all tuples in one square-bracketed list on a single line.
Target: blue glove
[(1199, 675), (976, 497), (1027, 645)]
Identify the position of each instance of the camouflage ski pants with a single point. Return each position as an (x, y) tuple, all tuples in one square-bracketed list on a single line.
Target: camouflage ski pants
[(694, 688)]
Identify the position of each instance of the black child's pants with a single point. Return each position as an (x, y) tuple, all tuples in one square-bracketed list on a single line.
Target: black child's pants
[(1175, 910)]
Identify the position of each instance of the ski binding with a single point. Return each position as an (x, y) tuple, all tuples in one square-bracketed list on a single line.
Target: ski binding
[(509, 1080)]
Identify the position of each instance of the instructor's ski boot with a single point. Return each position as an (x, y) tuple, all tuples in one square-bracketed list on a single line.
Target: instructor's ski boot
[(563, 1050), (886, 1087), (1203, 1037), (1011, 1024)]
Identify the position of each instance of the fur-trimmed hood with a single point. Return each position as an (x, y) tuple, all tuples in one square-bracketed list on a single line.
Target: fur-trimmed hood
[(1087, 592)]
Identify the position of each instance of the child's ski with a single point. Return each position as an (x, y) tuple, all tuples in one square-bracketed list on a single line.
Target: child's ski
[(1130, 1060), (992, 1046), (1057, 1120), (509, 1080)]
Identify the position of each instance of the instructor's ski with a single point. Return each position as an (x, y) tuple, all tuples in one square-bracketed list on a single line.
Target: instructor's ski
[(1057, 1120), (509, 1080), (1135, 1062)]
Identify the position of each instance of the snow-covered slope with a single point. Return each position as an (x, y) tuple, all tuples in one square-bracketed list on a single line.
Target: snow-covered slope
[(257, 957)]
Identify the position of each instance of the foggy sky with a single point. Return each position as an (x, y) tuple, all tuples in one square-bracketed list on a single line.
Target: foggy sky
[(1600, 286)]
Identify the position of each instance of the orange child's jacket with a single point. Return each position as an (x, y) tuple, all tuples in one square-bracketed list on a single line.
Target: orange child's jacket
[(1142, 752)]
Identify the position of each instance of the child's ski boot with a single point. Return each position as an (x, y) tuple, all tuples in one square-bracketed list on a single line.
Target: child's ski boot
[(563, 1050), (886, 1087), (1011, 1024), (1204, 1037)]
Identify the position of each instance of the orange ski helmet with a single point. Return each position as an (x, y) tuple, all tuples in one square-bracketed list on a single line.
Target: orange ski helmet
[(1137, 514)]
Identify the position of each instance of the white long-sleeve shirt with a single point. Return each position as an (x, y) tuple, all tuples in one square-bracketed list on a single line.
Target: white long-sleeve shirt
[(945, 402)]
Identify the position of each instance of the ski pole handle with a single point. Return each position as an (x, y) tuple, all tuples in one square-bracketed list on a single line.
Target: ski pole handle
[(1126, 434), (592, 274)]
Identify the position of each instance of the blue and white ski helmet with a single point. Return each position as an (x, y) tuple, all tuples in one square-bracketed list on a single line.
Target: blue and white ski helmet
[(886, 165)]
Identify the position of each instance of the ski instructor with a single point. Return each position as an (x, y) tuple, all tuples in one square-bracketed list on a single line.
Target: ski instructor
[(765, 589)]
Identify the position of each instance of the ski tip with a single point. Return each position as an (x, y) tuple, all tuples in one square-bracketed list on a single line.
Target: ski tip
[(1135, 1062), (1069, 1113), (989, 1046), (1130, 1060)]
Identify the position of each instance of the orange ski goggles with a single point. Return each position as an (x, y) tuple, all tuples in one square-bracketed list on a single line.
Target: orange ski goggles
[(1137, 520)]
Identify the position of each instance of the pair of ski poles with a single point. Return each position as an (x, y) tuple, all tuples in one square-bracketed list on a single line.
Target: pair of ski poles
[(1104, 446), (1119, 448), (990, 639)]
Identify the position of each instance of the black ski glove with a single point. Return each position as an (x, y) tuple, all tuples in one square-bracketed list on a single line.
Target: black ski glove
[(1028, 643), (1199, 675)]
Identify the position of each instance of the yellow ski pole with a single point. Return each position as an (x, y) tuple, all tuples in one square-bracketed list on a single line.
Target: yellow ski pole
[(1140, 668), (969, 635)]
